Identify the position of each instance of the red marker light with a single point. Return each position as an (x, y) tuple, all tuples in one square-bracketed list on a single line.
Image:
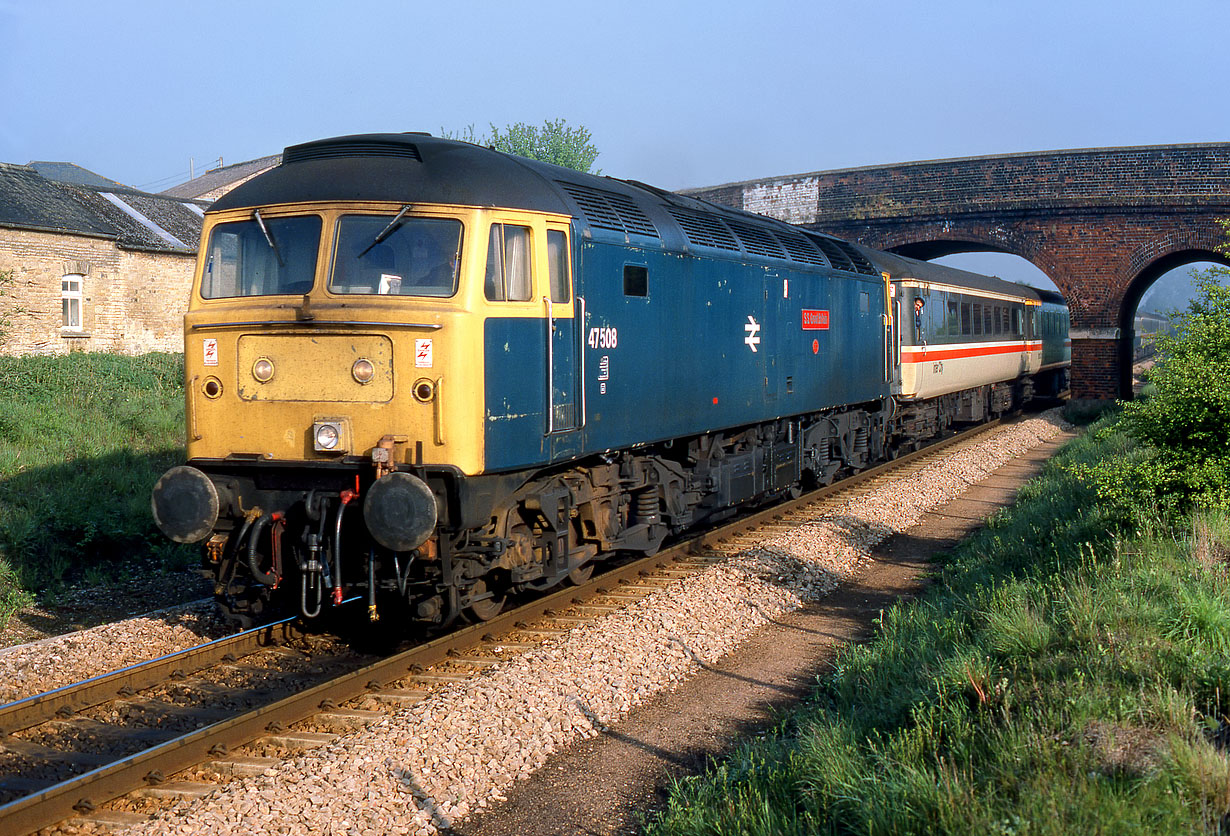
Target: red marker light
[(715, 401), (815, 346)]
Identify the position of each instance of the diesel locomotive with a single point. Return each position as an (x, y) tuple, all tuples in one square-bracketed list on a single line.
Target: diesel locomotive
[(431, 375)]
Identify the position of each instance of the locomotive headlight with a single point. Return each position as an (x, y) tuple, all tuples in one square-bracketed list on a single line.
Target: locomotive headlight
[(329, 436), (262, 370), (363, 370)]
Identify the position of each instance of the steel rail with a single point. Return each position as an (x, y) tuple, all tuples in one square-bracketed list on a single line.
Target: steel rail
[(87, 791), (69, 699)]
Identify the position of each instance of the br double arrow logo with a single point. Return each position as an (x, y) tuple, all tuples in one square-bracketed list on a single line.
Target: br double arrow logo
[(752, 328)]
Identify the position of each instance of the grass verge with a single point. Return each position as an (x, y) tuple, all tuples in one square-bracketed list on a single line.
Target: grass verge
[(1064, 676), (83, 438)]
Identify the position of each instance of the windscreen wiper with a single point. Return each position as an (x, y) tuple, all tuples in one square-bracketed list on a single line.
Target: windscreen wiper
[(256, 213), (387, 231)]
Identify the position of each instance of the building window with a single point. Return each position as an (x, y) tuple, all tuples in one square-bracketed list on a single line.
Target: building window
[(70, 301)]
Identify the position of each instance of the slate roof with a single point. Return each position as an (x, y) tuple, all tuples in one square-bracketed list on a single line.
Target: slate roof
[(134, 220), (219, 178), (73, 173)]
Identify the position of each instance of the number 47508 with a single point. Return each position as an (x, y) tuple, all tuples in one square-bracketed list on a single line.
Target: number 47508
[(604, 337)]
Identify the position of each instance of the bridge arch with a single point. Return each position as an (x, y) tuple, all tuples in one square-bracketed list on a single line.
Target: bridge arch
[(1144, 279)]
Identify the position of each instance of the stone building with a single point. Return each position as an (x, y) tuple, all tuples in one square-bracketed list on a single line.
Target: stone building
[(91, 264)]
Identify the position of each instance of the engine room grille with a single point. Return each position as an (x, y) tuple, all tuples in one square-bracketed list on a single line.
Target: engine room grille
[(799, 248), (337, 150), (757, 241), (843, 256), (608, 210), (704, 230)]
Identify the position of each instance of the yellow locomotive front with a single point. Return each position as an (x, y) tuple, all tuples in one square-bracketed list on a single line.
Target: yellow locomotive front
[(334, 355), (329, 333)]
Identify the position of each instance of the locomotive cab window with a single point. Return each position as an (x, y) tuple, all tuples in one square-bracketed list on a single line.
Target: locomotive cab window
[(557, 265), (508, 264), (395, 255), (261, 257)]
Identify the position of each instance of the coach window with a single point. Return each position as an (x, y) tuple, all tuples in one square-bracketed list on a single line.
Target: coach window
[(557, 265), (954, 321), (966, 324), (70, 302), (977, 317), (508, 264)]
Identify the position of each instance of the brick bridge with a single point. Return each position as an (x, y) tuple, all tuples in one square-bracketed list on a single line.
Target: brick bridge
[(1102, 223)]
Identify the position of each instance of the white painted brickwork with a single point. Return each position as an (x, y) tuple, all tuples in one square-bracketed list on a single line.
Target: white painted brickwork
[(792, 201)]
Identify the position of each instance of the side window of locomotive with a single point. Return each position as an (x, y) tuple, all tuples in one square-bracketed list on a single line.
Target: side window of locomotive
[(557, 265), (508, 264), (243, 261), (864, 303), (636, 280), (390, 255)]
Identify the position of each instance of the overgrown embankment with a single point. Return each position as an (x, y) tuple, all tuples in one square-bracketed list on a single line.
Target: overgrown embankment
[(1067, 674), (83, 438)]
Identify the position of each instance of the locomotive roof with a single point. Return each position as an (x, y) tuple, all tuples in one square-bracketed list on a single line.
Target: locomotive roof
[(901, 267), (420, 168)]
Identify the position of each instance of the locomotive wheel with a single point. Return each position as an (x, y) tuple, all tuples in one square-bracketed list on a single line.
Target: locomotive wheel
[(581, 574), (486, 609)]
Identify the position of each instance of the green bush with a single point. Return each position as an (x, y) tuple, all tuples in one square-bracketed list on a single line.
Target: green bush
[(1185, 422)]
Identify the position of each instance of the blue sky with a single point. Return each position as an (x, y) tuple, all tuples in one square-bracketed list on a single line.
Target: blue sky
[(676, 94)]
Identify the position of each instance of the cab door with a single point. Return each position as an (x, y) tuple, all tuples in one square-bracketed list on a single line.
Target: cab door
[(561, 331)]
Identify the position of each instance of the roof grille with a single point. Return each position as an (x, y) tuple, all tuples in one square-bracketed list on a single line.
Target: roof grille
[(797, 246), (704, 230), (608, 210), (843, 256), (861, 264), (337, 150), (756, 241)]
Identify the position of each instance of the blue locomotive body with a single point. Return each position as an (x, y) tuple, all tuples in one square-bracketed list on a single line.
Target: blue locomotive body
[(678, 342)]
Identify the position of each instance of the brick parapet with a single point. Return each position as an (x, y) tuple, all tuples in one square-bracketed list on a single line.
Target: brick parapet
[(1122, 178)]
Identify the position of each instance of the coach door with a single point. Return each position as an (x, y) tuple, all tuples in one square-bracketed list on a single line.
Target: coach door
[(563, 409)]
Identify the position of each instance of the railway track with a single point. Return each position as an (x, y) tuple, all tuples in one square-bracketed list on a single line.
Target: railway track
[(214, 737)]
